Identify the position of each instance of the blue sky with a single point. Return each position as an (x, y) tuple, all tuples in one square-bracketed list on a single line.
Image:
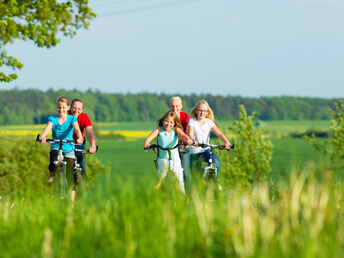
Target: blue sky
[(228, 47)]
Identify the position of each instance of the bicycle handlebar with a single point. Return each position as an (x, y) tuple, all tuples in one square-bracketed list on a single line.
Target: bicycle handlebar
[(213, 146), (87, 151), (154, 146), (72, 142)]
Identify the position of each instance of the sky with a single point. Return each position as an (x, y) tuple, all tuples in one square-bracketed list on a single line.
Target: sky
[(249, 48)]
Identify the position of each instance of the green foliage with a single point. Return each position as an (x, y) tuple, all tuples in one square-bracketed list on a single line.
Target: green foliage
[(35, 106), (250, 160), (24, 166), (122, 218), (42, 22), (309, 133), (333, 147)]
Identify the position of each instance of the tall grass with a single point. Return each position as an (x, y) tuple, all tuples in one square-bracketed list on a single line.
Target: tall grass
[(120, 218)]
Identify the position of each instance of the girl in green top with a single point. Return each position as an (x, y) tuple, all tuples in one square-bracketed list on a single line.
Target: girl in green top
[(168, 131)]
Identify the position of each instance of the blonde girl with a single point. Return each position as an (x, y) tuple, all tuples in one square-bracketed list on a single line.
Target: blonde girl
[(168, 130), (200, 125), (62, 126)]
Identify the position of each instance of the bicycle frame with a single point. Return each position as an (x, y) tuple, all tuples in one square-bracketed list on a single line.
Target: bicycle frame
[(211, 169), (154, 147), (61, 164), (79, 175)]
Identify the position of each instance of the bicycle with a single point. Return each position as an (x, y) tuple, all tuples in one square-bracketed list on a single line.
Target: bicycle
[(156, 147), (60, 182), (210, 171), (80, 177)]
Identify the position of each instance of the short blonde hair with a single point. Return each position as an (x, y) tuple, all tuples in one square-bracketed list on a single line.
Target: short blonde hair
[(210, 114), (176, 98)]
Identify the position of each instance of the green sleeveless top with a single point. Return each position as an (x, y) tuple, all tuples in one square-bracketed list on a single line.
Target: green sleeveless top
[(168, 140)]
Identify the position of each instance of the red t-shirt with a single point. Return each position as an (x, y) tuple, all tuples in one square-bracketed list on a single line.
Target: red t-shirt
[(184, 119), (83, 121)]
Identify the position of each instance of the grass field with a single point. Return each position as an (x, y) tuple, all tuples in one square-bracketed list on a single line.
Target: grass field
[(298, 213), (129, 156), (126, 218), (118, 154)]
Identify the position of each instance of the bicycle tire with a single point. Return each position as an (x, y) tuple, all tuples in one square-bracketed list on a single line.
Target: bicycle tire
[(79, 183), (61, 185)]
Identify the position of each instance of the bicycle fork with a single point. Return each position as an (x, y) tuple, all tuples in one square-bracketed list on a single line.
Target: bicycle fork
[(62, 180), (211, 166)]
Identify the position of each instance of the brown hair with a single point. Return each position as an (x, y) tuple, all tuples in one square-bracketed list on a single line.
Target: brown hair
[(79, 100), (63, 99), (175, 119), (210, 114)]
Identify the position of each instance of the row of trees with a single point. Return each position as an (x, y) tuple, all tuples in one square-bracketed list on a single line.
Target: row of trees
[(34, 106)]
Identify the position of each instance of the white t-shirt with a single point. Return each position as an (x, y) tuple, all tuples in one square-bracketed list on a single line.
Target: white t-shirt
[(201, 133)]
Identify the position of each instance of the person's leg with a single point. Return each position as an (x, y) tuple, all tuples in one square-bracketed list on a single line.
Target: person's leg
[(185, 161), (162, 172), (81, 160), (196, 163), (52, 166), (178, 172), (217, 162)]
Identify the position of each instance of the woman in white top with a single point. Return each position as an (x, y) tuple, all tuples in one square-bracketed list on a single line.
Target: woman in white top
[(200, 124)]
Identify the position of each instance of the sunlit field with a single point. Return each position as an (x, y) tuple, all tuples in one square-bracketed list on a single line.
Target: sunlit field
[(120, 218), (296, 212)]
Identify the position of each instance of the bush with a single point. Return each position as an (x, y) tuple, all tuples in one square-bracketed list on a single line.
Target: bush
[(250, 160), (333, 147), (24, 166), (309, 133)]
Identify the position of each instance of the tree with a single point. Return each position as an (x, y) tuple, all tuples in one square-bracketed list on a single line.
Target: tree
[(333, 146), (250, 160), (40, 21)]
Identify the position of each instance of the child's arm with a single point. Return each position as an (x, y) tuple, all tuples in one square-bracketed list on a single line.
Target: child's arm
[(46, 130), (78, 133), (183, 135), (191, 134), (221, 136), (150, 137)]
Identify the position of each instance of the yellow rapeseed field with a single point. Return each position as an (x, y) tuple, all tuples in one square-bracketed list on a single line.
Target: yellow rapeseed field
[(23, 130)]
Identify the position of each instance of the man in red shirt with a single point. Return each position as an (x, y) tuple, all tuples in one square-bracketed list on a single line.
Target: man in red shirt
[(84, 124), (176, 106)]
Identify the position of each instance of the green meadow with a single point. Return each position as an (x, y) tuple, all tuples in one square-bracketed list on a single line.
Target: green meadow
[(288, 153), (296, 212)]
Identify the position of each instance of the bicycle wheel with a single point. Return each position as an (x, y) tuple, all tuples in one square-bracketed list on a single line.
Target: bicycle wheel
[(79, 182), (61, 185)]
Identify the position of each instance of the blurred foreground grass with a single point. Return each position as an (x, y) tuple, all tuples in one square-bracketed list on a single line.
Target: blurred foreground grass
[(120, 218)]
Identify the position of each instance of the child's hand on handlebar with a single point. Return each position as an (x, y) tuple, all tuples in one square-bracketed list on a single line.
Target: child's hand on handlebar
[(228, 146), (146, 146), (42, 140), (80, 141), (189, 142)]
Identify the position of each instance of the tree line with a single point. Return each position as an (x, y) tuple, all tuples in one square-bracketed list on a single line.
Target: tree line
[(33, 106)]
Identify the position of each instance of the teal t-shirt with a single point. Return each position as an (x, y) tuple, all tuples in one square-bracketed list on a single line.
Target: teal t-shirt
[(168, 140), (64, 132)]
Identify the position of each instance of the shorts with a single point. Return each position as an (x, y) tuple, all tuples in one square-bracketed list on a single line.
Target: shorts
[(67, 154)]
